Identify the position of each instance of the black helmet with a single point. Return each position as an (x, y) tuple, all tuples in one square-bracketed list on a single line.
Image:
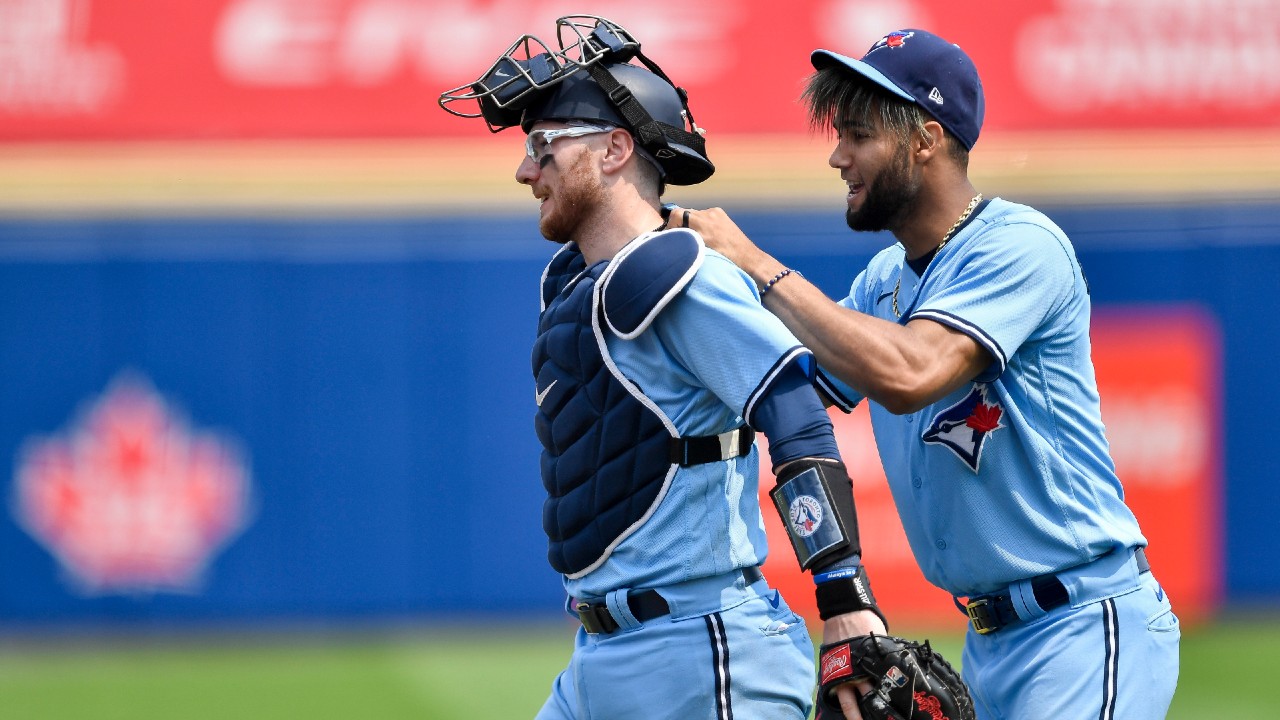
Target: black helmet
[(591, 79), (581, 97)]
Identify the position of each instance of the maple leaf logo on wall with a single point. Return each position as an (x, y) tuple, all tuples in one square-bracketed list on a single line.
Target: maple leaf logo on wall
[(129, 499)]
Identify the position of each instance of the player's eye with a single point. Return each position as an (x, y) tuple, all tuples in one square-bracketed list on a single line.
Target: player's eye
[(536, 145)]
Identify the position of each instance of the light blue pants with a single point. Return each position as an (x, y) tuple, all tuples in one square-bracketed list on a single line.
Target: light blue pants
[(1107, 655), (749, 657)]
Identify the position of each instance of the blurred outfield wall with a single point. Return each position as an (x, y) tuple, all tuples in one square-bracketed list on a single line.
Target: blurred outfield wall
[(220, 418), (267, 311)]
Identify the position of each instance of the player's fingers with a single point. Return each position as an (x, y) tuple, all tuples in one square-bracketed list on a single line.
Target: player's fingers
[(668, 209), (675, 216), (847, 696)]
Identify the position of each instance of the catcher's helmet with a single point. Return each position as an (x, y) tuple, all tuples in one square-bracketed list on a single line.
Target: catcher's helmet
[(581, 97), (591, 79)]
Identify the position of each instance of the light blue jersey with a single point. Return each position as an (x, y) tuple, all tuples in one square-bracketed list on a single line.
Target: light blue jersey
[(1008, 477), (1008, 480), (704, 362)]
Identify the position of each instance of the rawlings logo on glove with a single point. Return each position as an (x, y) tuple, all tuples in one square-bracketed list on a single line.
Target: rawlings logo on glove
[(836, 664), (910, 681)]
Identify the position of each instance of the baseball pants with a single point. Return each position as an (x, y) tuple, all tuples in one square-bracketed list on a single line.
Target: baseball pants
[(750, 659), (1114, 658)]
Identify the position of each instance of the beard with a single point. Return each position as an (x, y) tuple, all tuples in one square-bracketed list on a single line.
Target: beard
[(579, 196), (889, 199)]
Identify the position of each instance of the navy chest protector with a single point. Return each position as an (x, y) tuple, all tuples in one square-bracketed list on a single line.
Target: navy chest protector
[(606, 457)]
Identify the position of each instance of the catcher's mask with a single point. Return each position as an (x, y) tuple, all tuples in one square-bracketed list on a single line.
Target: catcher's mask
[(590, 77)]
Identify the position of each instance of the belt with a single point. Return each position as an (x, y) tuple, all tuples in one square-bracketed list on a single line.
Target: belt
[(990, 613), (645, 605), (689, 451)]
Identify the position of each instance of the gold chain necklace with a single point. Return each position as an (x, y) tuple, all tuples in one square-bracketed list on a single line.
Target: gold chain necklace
[(945, 238)]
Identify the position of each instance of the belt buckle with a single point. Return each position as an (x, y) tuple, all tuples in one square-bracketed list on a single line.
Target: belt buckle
[(729, 444), (981, 616), (595, 618)]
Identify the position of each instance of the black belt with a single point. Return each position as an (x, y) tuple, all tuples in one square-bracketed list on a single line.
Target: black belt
[(990, 613), (645, 605), (712, 448)]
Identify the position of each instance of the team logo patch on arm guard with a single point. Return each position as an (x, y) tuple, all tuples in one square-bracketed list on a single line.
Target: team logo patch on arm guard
[(805, 514), (804, 503), (963, 428)]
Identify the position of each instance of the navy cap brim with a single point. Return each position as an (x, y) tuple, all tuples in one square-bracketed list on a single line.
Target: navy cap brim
[(825, 58)]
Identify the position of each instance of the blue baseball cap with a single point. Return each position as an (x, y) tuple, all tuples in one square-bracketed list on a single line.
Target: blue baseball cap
[(919, 66)]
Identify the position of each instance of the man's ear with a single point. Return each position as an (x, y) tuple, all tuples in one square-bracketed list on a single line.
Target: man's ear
[(931, 143), (621, 146)]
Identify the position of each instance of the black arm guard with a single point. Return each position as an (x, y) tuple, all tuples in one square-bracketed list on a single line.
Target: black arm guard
[(814, 498)]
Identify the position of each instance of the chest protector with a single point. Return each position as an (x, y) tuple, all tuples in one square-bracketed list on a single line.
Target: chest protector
[(605, 447)]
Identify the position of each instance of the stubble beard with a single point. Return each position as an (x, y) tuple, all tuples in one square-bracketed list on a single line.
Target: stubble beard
[(580, 194)]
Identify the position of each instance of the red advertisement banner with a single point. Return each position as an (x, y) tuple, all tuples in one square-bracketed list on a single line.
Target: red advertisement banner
[(119, 69), (1158, 375)]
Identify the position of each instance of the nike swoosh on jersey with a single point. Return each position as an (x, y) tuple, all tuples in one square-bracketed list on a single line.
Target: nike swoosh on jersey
[(542, 395)]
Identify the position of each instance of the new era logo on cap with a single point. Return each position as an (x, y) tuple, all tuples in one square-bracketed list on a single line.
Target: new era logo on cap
[(919, 66)]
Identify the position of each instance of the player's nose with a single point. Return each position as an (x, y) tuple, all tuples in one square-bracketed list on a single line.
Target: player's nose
[(839, 157), (527, 172)]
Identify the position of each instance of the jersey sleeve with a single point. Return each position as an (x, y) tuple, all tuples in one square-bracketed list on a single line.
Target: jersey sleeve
[(1002, 288), (720, 332)]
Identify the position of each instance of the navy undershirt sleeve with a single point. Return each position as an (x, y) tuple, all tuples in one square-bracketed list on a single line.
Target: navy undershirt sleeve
[(794, 419)]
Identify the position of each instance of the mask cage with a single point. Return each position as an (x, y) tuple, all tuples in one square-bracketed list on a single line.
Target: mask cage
[(530, 66)]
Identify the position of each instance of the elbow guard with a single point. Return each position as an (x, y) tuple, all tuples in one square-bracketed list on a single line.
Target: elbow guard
[(814, 498)]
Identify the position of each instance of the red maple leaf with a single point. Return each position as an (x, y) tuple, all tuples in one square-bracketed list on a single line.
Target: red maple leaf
[(984, 417), (130, 498)]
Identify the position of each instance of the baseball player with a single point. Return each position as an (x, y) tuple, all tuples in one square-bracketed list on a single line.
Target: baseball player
[(970, 336), (654, 364)]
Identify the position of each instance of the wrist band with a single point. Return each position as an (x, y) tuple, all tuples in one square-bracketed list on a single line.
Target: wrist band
[(839, 574), (845, 595), (769, 285)]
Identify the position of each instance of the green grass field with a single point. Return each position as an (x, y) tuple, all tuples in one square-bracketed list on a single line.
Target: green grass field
[(442, 674)]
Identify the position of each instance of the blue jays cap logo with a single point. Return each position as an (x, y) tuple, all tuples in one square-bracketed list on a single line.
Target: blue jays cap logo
[(892, 40), (963, 428)]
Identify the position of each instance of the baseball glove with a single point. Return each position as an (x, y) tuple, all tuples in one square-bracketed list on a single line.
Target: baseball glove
[(910, 680)]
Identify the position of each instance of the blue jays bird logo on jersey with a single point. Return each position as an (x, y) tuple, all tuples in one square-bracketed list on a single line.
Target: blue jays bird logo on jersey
[(963, 428)]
